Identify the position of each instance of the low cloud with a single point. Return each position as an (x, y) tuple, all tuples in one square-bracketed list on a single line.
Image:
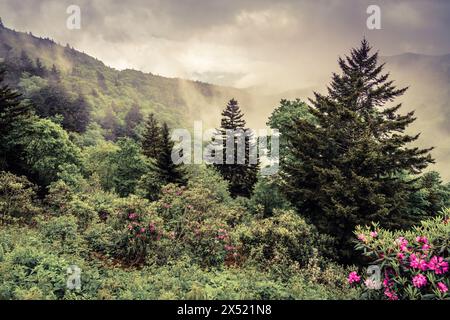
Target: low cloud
[(280, 45)]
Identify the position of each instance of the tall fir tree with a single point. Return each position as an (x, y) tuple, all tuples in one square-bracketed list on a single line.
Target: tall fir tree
[(151, 141), (26, 63), (241, 176), (55, 74), (41, 70), (345, 168), (133, 119), (12, 110), (168, 171)]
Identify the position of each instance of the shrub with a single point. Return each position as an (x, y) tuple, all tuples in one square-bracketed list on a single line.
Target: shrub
[(267, 197), (28, 272), (99, 237), (136, 227), (199, 224), (63, 229), (414, 263), (17, 198), (282, 240), (208, 178), (63, 200), (149, 186)]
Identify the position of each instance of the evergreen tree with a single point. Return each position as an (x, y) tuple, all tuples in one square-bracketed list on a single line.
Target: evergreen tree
[(133, 119), (241, 176), (26, 63), (55, 75), (430, 197), (41, 70), (166, 169), (11, 111), (77, 115), (111, 125), (53, 100), (101, 80), (151, 142), (344, 169)]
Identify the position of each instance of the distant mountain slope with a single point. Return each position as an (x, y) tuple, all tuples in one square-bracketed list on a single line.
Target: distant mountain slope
[(174, 100)]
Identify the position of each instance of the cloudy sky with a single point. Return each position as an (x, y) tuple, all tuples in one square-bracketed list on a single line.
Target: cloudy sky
[(247, 43)]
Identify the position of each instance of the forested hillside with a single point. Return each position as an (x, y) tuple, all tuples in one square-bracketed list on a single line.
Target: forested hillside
[(109, 93)]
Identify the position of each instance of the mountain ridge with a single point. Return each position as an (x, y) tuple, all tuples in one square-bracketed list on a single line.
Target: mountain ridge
[(119, 88)]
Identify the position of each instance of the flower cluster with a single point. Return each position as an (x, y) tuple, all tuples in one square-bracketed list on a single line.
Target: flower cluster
[(139, 230), (414, 266), (222, 234), (438, 265), (353, 277)]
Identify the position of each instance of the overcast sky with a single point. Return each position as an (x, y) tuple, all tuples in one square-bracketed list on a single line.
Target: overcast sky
[(246, 43)]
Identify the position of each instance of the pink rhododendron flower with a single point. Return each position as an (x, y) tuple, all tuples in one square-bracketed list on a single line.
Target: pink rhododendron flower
[(130, 227), (222, 234), (390, 294), (151, 227), (400, 256), (362, 237), (142, 230), (442, 287), (386, 283), (132, 216), (417, 262), (419, 281), (438, 264), (374, 234), (426, 247), (353, 277), (403, 243), (422, 239), (228, 247)]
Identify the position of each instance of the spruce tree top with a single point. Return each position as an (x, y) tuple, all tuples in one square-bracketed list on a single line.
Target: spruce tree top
[(232, 117), (362, 86), (356, 111)]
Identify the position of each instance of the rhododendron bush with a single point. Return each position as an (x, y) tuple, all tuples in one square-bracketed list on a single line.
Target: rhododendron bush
[(194, 242), (413, 264)]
